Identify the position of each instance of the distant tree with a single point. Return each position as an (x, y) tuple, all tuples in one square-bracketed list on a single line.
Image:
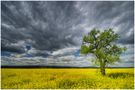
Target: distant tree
[(100, 44)]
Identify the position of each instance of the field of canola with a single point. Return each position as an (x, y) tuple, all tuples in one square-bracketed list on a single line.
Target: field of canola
[(53, 78)]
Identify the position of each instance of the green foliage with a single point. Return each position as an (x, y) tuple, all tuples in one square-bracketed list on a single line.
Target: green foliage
[(85, 49), (99, 44)]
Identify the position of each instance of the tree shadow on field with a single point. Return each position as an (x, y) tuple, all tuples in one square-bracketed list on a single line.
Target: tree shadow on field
[(120, 75)]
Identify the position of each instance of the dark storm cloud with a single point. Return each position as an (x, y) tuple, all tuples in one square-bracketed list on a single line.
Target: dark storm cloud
[(110, 14), (49, 24), (54, 30), (55, 25), (7, 46)]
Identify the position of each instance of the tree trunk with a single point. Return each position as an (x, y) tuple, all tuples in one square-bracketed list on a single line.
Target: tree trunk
[(103, 71), (102, 68)]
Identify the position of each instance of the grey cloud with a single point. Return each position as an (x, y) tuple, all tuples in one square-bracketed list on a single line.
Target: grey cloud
[(110, 14), (55, 25), (48, 23), (69, 60), (60, 61), (10, 47), (53, 28), (36, 53), (65, 51), (18, 47)]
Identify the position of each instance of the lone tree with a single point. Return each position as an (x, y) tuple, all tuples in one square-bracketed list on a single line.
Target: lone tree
[(101, 45)]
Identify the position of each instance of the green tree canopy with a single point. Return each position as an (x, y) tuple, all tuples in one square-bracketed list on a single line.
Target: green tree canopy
[(102, 45)]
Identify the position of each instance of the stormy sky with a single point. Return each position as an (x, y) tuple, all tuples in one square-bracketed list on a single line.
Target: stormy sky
[(50, 33)]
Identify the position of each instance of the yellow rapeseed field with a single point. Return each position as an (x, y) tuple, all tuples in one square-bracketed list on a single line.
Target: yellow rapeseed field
[(53, 78)]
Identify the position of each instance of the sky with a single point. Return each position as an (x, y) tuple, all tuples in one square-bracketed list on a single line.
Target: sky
[(50, 33)]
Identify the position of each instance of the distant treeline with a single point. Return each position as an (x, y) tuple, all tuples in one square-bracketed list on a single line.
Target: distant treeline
[(33, 66)]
